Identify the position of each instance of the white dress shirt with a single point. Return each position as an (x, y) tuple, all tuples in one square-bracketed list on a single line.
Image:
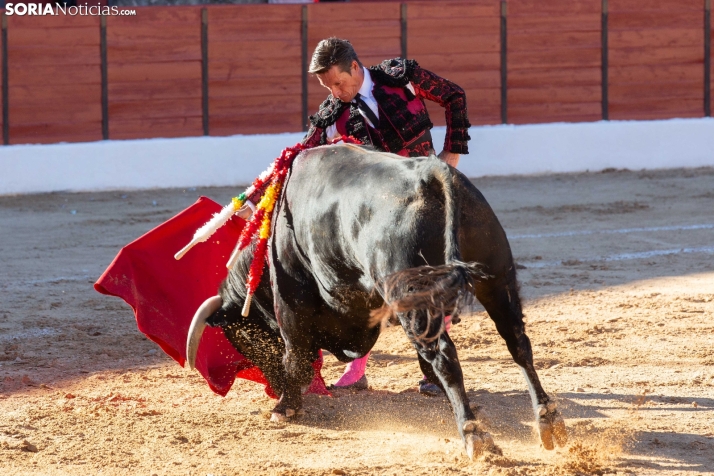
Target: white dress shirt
[(366, 92)]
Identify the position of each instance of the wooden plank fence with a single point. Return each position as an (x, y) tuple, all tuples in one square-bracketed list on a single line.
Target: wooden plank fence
[(240, 69), (709, 60), (461, 42), (154, 73), (374, 31), (554, 61), (254, 69), (54, 79), (656, 59)]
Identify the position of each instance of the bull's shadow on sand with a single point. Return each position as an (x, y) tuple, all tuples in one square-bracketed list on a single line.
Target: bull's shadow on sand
[(674, 452), (69, 332), (509, 418), (412, 412)]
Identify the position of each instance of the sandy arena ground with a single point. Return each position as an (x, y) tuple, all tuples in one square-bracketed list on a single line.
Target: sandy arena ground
[(623, 337)]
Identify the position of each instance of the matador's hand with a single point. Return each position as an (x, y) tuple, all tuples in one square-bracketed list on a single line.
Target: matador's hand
[(450, 158), (245, 212)]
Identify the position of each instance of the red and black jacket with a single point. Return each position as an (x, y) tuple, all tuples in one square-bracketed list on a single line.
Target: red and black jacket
[(404, 122)]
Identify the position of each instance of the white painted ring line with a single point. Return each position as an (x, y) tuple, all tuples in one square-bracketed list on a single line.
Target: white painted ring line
[(621, 257), (703, 226), (535, 264), (34, 282), (36, 332)]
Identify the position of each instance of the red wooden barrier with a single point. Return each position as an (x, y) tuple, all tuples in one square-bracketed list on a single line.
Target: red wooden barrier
[(255, 78), (460, 42), (3, 99), (656, 59), (154, 73), (711, 59), (374, 31), (554, 55), (254, 56), (54, 79)]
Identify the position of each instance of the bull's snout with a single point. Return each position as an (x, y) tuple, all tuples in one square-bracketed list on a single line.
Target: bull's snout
[(198, 325)]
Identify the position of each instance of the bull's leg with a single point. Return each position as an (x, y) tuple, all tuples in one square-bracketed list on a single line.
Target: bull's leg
[(428, 370), (298, 365), (297, 360), (502, 302), (444, 367), (263, 347)]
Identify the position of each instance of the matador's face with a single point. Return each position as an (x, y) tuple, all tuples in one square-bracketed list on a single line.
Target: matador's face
[(344, 85)]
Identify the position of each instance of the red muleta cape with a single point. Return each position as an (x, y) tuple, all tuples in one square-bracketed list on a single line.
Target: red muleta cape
[(165, 293)]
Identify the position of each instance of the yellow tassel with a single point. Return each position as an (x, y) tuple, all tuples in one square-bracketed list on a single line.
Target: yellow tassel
[(267, 202), (237, 203), (265, 228)]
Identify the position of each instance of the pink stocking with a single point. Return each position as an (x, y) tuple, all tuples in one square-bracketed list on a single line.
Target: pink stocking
[(353, 372)]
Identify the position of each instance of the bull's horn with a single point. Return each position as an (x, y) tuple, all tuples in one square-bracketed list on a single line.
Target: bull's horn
[(198, 325)]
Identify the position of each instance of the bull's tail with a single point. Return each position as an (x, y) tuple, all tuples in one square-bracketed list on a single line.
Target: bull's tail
[(436, 291), (442, 173)]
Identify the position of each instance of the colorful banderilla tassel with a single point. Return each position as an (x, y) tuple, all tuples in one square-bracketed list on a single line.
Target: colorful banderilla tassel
[(260, 224)]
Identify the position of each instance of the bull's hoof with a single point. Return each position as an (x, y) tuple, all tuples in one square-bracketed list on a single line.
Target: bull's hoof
[(280, 417), (474, 446), (545, 430), (560, 434), (551, 427), (477, 441), (481, 416)]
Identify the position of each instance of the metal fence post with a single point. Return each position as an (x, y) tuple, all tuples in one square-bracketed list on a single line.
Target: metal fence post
[(5, 88), (504, 62), (105, 76), (303, 38), (204, 70), (403, 22), (605, 64)]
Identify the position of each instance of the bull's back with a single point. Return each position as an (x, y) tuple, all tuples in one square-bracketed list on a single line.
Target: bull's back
[(364, 212), (367, 210)]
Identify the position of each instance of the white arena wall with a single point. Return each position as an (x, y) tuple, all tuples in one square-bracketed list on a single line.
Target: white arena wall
[(237, 160)]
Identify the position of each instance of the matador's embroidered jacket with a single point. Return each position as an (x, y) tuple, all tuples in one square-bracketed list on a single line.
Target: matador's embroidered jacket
[(400, 87)]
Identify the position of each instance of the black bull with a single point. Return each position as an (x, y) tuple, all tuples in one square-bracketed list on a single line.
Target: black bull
[(359, 234)]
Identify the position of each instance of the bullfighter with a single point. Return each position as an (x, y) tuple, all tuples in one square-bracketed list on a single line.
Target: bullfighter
[(384, 106)]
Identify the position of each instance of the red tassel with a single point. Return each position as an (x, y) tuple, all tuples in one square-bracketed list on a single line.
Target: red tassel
[(256, 267), (251, 228), (279, 173)]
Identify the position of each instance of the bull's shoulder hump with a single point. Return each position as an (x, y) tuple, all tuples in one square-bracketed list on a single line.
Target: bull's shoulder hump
[(357, 157), (335, 151), (338, 147)]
